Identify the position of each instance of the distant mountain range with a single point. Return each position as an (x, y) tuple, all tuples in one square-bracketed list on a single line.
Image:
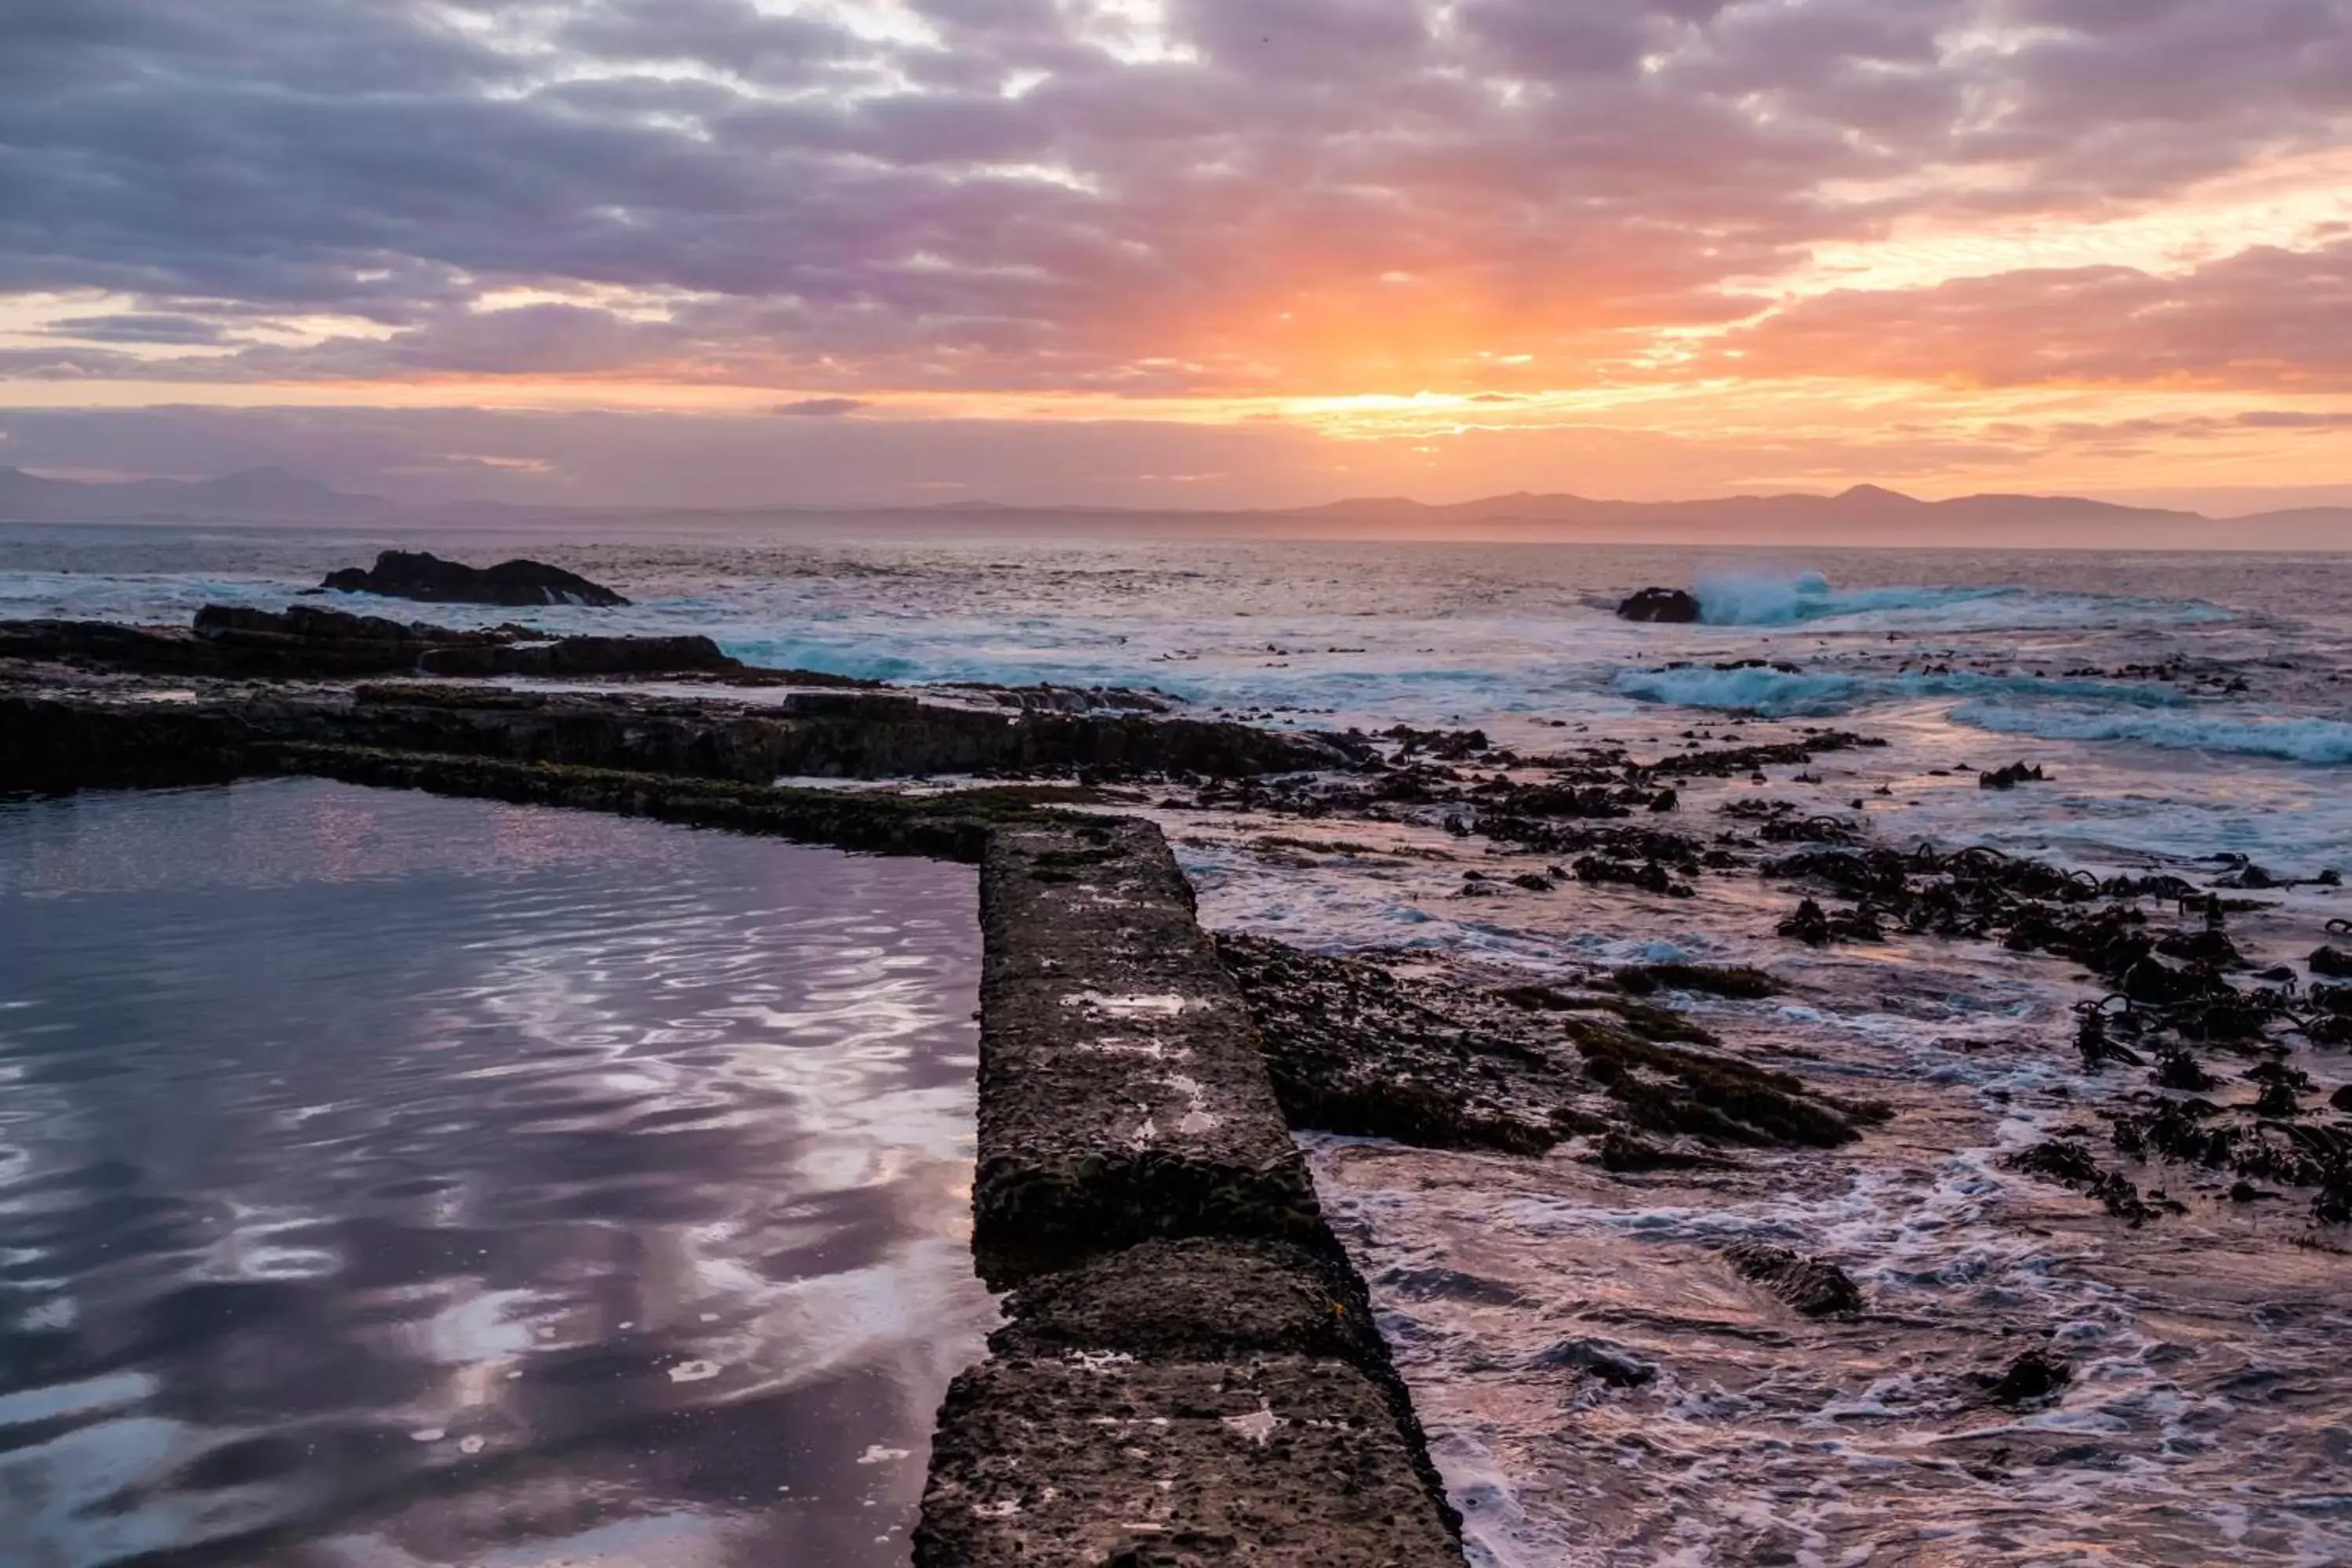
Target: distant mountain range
[(256, 495), (1862, 516), (1865, 514)]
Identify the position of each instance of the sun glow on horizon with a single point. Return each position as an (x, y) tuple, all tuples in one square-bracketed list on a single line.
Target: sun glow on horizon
[(1636, 248)]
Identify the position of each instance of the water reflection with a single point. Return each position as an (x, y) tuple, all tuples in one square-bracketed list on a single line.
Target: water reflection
[(387, 1180)]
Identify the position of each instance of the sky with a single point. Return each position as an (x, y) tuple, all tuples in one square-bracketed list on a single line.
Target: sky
[(1182, 253)]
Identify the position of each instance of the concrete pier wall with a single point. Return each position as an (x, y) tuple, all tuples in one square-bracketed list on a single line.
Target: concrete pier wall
[(1190, 1373)]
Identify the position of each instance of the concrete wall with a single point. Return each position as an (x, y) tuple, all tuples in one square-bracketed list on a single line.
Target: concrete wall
[(1190, 1373)]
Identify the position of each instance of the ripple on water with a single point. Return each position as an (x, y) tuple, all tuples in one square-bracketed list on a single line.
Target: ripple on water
[(391, 1180)]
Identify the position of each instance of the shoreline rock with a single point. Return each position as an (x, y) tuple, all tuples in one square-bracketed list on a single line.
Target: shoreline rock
[(1664, 607), (307, 642), (99, 735), (579, 657), (237, 643)]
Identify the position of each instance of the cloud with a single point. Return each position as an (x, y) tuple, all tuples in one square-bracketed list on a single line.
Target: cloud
[(1021, 193), (613, 459), (158, 328), (2290, 420), (820, 407), (2263, 318)]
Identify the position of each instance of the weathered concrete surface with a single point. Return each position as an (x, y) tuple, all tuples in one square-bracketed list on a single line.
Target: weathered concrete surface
[(1199, 1299), (1121, 1096), (1202, 1299), (1190, 1372), (951, 828), (1102, 1461)]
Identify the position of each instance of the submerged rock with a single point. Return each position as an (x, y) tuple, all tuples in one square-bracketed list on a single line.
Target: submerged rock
[(2037, 1374), (2010, 777), (1673, 606), (1599, 1358), (2073, 1165), (420, 574), (1740, 981), (1814, 1288), (1622, 1153)]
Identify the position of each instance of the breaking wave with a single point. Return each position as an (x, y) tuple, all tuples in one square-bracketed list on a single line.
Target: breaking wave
[(1784, 694), (1749, 599), (2325, 742)]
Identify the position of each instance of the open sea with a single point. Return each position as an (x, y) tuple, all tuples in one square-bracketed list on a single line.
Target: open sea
[(2183, 707)]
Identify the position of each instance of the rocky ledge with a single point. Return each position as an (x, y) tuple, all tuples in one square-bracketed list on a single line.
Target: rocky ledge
[(64, 735), (420, 574), (309, 642)]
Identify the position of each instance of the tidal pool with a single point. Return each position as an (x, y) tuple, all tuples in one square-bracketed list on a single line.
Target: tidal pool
[(387, 1180)]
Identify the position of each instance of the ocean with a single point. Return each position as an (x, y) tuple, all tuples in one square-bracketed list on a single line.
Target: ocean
[(2185, 709)]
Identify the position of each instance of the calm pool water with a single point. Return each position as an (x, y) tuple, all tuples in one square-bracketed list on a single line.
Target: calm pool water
[(387, 1180)]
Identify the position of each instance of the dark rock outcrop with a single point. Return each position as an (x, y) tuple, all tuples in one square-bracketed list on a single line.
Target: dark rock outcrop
[(809, 735), (420, 574), (47, 743), (583, 656), (307, 641), (315, 623), (311, 643), (104, 645), (304, 643), (1673, 605), (827, 734), (1353, 1049)]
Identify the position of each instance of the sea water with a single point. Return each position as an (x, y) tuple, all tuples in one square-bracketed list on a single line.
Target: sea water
[(2183, 707)]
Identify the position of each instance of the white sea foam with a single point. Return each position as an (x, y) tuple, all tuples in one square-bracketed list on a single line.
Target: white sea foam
[(2326, 741), (1783, 694), (1749, 599), (1807, 598)]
